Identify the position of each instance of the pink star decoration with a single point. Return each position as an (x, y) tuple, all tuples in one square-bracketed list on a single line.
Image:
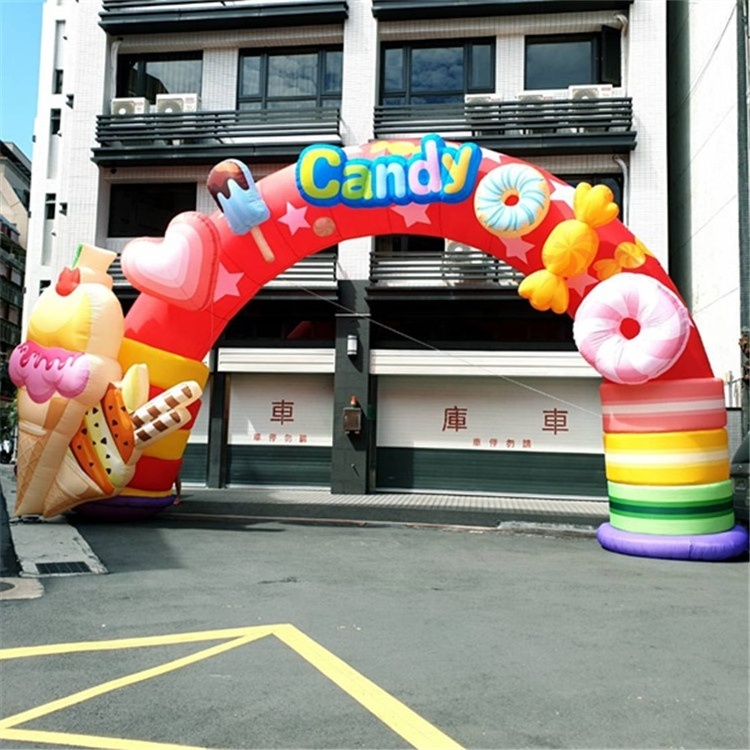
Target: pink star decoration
[(227, 284), (580, 283), (294, 218), (413, 213), (517, 248)]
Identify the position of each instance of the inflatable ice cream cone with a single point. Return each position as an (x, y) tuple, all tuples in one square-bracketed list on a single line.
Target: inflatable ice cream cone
[(63, 368)]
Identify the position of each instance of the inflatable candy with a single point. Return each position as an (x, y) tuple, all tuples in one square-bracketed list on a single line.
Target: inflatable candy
[(631, 328), (569, 249)]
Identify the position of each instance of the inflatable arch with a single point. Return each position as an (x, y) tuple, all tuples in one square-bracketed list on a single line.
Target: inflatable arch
[(666, 449)]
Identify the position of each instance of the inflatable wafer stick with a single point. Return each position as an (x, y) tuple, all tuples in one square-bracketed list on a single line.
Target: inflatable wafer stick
[(183, 394), (157, 427), (232, 186)]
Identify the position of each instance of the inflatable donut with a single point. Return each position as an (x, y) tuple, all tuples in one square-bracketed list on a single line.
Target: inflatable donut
[(512, 200), (631, 328)]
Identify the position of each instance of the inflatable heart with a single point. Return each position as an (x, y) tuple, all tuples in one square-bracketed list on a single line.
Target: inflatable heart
[(179, 269)]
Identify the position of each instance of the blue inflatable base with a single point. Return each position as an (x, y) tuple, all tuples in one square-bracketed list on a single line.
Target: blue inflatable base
[(121, 508), (711, 547)]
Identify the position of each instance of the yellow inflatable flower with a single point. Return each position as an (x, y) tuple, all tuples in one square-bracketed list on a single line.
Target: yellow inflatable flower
[(594, 206), (545, 291), (570, 248)]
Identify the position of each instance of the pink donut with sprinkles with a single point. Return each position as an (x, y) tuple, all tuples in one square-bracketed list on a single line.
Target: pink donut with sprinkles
[(631, 328)]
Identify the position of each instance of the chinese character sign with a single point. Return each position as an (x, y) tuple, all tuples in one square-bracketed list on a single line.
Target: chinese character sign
[(491, 414)]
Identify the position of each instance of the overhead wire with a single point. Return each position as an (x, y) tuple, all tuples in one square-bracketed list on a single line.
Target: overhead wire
[(452, 354)]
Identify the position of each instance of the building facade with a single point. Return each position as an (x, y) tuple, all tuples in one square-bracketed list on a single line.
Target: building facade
[(463, 387), (709, 101), (15, 180)]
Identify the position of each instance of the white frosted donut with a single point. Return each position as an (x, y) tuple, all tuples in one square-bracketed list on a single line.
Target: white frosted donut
[(512, 200), (631, 328)]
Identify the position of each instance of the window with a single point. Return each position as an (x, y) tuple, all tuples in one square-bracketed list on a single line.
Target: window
[(612, 181), (149, 75), (435, 74), (54, 121), (145, 210), (57, 81), (49, 205), (302, 78), (556, 62)]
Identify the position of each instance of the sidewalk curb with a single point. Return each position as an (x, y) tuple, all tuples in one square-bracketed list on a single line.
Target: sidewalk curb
[(46, 547)]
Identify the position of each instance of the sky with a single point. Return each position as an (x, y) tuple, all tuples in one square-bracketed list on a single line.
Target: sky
[(20, 30)]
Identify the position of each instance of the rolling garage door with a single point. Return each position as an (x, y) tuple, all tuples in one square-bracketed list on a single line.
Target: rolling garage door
[(280, 429), (520, 435)]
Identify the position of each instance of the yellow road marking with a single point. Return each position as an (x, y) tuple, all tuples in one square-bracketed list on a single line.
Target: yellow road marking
[(149, 640), (108, 687), (88, 740), (399, 718)]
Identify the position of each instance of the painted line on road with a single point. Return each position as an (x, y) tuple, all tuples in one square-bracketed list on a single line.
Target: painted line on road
[(390, 711)]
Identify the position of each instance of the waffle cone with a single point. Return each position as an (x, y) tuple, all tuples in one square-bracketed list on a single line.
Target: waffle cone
[(71, 487), (30, 447), (41, 448)]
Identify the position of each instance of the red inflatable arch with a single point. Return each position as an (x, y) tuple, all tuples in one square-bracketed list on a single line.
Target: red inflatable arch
[(664, 420)]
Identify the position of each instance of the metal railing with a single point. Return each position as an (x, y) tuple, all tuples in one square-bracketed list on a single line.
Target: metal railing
[(470, 268), (144, 16), (181, 134), (317, 270), (492, 119)]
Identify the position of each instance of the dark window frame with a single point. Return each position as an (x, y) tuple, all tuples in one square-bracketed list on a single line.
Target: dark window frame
[(605, 62), (184, 198), (407, 49), (598, 178), (55, 120), (122, 86), (50, 206), (322, 97)]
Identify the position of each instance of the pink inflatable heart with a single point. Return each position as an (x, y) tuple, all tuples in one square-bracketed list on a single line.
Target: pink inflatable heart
[(180, 269)]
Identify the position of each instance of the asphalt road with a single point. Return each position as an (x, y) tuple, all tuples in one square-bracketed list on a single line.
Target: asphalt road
[(490, 640)]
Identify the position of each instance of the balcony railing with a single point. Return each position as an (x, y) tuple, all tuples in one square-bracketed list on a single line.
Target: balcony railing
[(555, 126), (149, 16), (206, 137), (468, 269), (401, 10), (315, 272), (12, 253)]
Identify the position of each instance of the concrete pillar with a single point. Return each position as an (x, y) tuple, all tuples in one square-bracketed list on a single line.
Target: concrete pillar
[(353, 455)]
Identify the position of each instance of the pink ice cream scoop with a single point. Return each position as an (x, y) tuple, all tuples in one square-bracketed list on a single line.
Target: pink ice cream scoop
[(45, 371)]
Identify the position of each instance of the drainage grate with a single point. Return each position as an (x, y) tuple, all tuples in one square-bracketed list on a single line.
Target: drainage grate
[(48, 569)]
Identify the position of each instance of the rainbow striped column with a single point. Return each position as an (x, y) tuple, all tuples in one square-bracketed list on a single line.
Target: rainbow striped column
[(667, 461)]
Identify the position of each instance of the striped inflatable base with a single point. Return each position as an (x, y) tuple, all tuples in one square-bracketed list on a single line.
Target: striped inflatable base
[(671, 511), (664, 406), (725, 545), (667, 458)]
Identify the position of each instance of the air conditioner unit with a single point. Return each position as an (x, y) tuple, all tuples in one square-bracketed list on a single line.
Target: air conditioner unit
[(463, 263), (177, 103), (480, 98), (135, 105), (602, 91), (537, 96)]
